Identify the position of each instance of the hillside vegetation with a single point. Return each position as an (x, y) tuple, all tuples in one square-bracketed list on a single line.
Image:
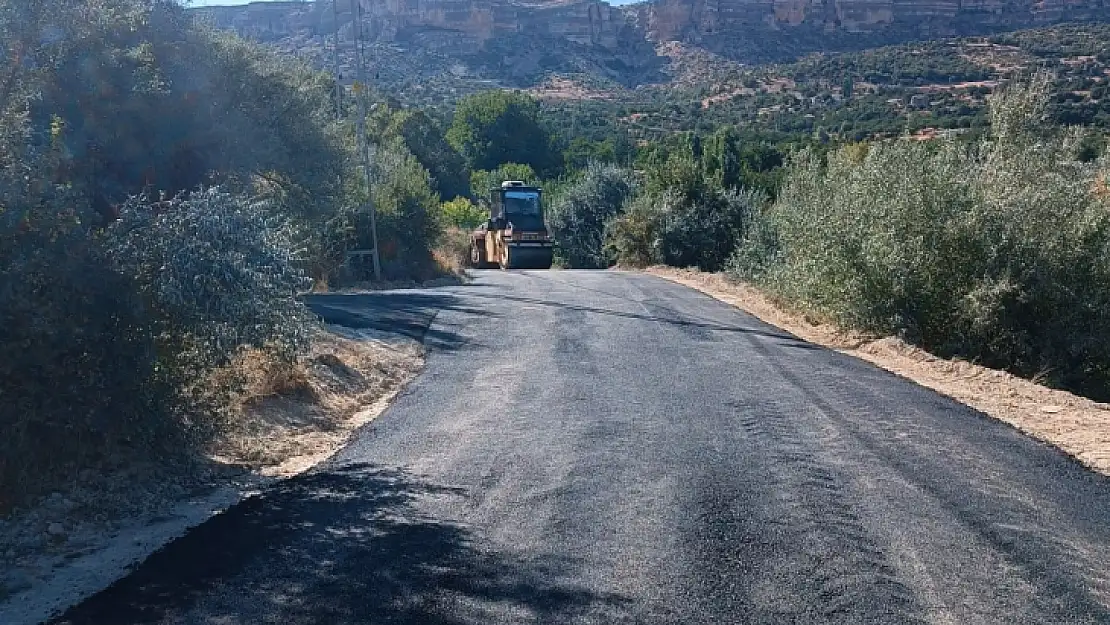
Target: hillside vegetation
[(915, 87), (997, 251)]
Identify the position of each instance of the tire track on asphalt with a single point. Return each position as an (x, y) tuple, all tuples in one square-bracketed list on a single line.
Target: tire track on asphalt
[(817, 560), (1029, 532), (1053, 588), (834, 562)]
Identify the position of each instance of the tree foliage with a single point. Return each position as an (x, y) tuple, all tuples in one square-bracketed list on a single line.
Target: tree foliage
[(497, 127), (462, 213), (160, 184), (578, 217), (693, 218), (997, 251), (482, 181), (426, 139)]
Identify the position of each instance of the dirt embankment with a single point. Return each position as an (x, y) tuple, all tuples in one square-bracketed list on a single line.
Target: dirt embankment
[(1078, 426), (292, 419), (287, 420)]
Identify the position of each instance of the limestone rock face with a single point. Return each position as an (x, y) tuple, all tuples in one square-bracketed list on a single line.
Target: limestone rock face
[(737, 28), (692, 19), (458, 22), (263, 21)]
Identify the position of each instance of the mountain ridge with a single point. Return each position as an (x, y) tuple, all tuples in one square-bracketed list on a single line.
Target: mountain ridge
[(451, 47)]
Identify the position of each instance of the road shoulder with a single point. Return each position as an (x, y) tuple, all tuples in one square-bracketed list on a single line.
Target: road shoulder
[(1077, 426)]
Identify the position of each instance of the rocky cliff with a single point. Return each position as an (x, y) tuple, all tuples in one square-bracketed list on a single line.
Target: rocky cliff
[(443, 22), (695, 19), (596, 23), (522, 39)]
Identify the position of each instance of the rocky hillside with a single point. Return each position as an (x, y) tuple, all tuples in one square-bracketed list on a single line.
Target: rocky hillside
[(433, 46), (723, 19), (429, 50), (780, 30)]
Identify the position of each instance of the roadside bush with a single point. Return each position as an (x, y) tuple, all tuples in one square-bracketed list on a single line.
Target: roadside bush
[(463, 214), (114, 310), (74, 341), (408, 219), (998, 251), (694, 221), (703, 230), (215, 272), (110, 335), (408, 226), (632, 238), (452, 254), (578, 216)]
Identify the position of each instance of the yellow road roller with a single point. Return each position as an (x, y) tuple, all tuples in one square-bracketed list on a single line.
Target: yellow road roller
[(515, 237)]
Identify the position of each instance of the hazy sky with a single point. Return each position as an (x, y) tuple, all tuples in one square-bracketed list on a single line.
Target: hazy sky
[(203, 3)]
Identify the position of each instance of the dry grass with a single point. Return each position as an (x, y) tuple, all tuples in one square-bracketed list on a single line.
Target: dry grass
[(291, 417), (452, 255), (1076, 425), (1102, 185)]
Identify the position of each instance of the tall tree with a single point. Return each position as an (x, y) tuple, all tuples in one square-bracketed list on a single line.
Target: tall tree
[(722, 158), (497, 127), (425, 138)]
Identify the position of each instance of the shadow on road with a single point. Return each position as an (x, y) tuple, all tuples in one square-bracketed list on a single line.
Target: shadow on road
[(405, 312), (662, 314), (338, 547)]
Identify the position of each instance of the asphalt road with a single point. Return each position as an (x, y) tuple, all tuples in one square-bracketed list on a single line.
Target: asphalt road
[(591, 447)]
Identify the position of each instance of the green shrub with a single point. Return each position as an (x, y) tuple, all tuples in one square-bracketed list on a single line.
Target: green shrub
[(703, 230), (482, 181), (215, 272), (997, 250), (75, 376), (578, 216), (632, 238), (110, 336), (696, 222), (408, 219), (115, 310), (463, 214)]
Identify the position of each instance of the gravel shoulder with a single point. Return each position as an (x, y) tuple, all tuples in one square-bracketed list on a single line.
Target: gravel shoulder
[(84, 537), (1076, 425)]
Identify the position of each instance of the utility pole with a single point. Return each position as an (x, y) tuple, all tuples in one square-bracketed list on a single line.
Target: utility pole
[(361, 93), (335, 63)]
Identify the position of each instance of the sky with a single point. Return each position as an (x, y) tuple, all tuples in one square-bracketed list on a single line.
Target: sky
[(206, 3)]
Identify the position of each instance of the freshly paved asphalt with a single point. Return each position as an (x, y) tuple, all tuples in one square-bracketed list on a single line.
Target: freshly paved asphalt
[(592, 447)]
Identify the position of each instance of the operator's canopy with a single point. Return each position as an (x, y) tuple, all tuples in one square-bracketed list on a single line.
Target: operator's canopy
[(517, 203)]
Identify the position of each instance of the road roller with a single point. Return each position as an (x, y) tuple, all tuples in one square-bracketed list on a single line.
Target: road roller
[(515, 236)]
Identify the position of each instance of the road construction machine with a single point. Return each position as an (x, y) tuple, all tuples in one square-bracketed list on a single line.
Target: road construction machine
[(515, 237)]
